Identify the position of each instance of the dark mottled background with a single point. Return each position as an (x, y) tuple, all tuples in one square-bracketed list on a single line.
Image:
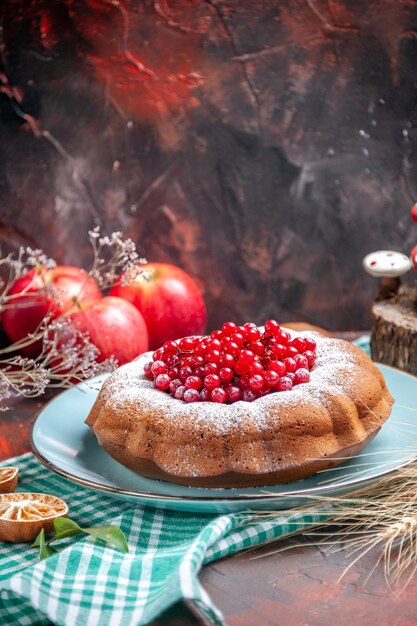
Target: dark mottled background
[(264, 146)]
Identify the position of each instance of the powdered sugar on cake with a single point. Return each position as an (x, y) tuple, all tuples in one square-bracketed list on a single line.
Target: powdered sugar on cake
[(332, 373)]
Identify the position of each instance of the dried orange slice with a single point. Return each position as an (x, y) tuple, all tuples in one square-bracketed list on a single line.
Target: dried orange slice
[(8, 479), (23, 515)]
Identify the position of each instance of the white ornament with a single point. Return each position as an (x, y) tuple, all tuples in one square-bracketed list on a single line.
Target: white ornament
[(386, 264)]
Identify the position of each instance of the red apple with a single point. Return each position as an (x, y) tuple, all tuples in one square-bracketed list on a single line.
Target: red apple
[(170, 302), (33, 301), (115, 327)]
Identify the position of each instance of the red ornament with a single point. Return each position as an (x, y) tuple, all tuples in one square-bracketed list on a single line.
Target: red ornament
[(413, 256), (414, 212)]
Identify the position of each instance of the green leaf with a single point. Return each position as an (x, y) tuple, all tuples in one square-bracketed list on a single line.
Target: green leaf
[(44, 549), (65, 527), (111, 535)]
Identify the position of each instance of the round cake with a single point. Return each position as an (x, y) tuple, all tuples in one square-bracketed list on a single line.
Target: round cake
[(278, 438)]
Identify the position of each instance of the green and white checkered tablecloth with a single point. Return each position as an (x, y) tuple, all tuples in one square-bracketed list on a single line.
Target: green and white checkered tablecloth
[(89, 584)]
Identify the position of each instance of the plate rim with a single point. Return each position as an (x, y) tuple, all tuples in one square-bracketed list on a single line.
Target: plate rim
[(314, 491)]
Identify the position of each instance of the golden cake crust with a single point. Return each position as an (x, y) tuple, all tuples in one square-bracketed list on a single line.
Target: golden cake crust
[(278, 438)]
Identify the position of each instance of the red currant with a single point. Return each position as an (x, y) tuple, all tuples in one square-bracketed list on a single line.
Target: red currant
[(211, 368), (256, 368), (299, 344), (179, 392), (147, 370), (271, 378), (310, 356), (226, 360), (228, 328), (256, 383), (278, 367), (234, 394), (159, 367), (212, 381), (218, 395), (226, 374), (289, 364), (284, 384), (301, 362), (191, 395), (174, 384), (271, 327), (193, 382), (162, 382), (310, 344), (205, 395), (301, 376), (185, 372), (248, 395)]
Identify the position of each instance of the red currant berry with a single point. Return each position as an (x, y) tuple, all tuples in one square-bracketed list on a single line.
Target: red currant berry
[(231, 348), (174, 372), (291, 351), (158, 368), (226, 360), (248, 395), (216, 334), (279, 350), (162, 382), (170, 346), (199, 360), (147, 370), (157, 355), (252, 333), (191, 395), (283, 336), (278, 367), (241, 367), (246, 356), (205, 395), (271, 327), (226, 374), (193, 382), (211, 368), (213, 356), (414, 212), (201, 347), (299, 344), (257, 347), (228, 328), (214, 344), (310, 356), (256, 368), (187, 344), (212, 381), (310, 344), (179, 392), (290, 375), (271, 378), (233, 394), (284, 384), (239, 339), (185, 372), (187, 361), (300, 362), (289, 364), (243, 381), (218, 395), (174, 384), (200, 371), (256, 383), (301, 376)]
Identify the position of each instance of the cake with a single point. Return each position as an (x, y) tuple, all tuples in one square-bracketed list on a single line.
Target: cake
[(279, 437)]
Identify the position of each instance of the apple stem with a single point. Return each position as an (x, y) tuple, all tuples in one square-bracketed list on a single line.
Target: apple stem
[(77, 302)]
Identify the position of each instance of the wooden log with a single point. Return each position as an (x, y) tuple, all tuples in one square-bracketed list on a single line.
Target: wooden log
[(394, 330)]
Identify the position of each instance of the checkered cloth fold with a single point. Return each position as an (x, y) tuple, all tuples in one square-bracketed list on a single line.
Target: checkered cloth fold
[(90, 584)]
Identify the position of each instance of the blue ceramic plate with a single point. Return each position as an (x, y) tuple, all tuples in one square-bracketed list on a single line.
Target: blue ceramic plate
[(64, 444)]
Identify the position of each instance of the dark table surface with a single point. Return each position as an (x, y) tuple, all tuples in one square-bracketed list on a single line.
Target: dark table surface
[(296, 587)]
